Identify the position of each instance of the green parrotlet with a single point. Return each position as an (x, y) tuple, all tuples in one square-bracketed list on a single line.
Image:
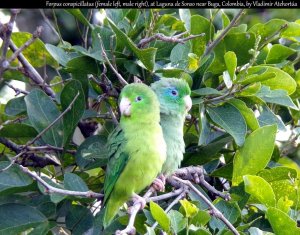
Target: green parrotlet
[(175, 101), (137, 149)]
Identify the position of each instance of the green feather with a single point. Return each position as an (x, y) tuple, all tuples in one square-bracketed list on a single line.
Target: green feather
[(172, 113)]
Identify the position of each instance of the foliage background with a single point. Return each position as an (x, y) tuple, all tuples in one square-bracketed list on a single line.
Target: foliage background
[(245, 92)]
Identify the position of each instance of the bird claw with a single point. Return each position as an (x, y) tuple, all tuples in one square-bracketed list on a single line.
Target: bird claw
[(129, 230), (138, 200), (159, 183)]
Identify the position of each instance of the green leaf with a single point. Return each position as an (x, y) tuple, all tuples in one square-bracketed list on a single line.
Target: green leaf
[(82, 64), (276, 97), (13, 177), (267, 117), (281, 223), (55, 197), (75, 183), (185, 16), (229, 117), (160, 216), (255, 154), (257, 78), (293, 30), (225, 20), (178, 222), (42, 112), (79, 220), (189, 208), (147, 56), (36, 53), (278, 53), (18, 130), (17, 218), (15, 106), (206, 153), (206, 91), (79, 16), (278, 173), (70, 120), (92, 152), (201, 218), (284, 204), (231, 212), (260, 189), (58, 54), (231, 63), (267, 29), (200, 24), (282, 80), (247, 113)]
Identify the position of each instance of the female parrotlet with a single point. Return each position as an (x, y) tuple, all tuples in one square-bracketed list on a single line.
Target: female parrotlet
[(175, 101), (137, 149)]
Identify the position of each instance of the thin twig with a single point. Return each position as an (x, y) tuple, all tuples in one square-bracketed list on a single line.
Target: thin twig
[(224, 32), (17, 90), (165, 196), (49, 24), (173, 203), (31, 72), (35, 35), (51, 189), (173, 39), (119, 76), (7, 34), (215, 212), (55, 121), (271, 37)]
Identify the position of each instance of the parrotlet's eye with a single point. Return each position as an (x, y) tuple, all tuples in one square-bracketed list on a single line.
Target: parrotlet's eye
[(174, 93), (138, 99)]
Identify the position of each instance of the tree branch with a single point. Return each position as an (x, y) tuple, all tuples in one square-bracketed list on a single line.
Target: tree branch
[(119, 76), (215, 212), (35, 35), (173, 39), (51, 189), (224, 32), (17, 90)]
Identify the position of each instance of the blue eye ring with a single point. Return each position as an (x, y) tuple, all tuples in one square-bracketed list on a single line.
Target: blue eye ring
[(138, 99), (174, 93)]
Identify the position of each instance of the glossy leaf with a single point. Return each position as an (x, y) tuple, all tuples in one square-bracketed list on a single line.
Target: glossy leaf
[(276, 97), (13, 177), (147, 56), (267, 117), (282, 80), (17, 218), (36, 53), (260, 189), (42, 112), (247, 113), (189, 208), (18, 130), (231, 63), (160, 216), (229, 117), (72, 90), (255, 154), (178, 221), (15, 106), (74, 183), (278, 53), (281, 223)]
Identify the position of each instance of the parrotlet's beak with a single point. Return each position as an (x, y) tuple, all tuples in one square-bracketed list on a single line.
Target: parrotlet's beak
[(125, 106), (188, 102)]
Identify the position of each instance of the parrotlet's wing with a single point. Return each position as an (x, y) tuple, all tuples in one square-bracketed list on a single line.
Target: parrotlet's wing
[(117, 160)]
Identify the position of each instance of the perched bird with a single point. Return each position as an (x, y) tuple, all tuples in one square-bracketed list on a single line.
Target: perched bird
[(136, 147), (175, 101)]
